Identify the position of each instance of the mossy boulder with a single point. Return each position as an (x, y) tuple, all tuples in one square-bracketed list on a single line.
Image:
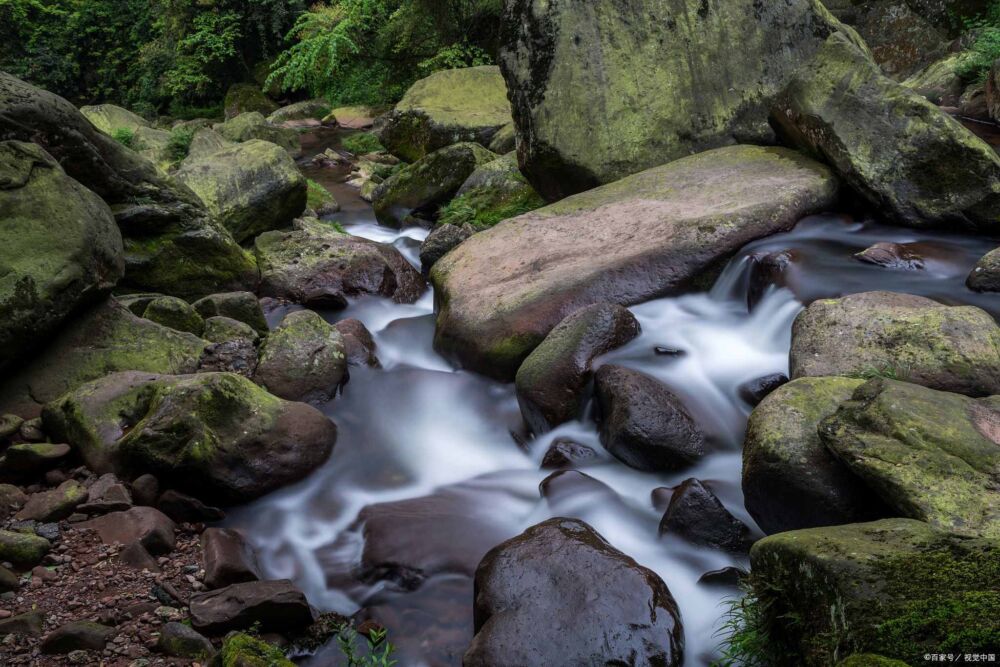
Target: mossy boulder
[(217, 436), (600, 92), (940, 82), (172, 244), (421, 188), (24, 550), (351, 117), (906, 337), (303, 359), (985, 275), (494, 192), (242, 306), (660, 232), (903, 35), (205, 142), (447, 107), (220, 329), (175, 313), (55, 504), (930, 455), (251, 188), (105, 339), (253, 125), (319, 200), (897, 586), (790, 479), (305, 110), (60, 248), (441, 240), (247, 97), (870, 660), (107, 118), (913, 162), (243, 650), (319, 265)]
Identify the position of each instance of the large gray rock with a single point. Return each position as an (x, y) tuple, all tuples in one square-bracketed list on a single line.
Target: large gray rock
[(912, 161), (250, 188), (600, 91), (59, 248), (652, 234), (912, 338), (217, 436), (107, 118), (252, 125), (303, 359), (561, 574)]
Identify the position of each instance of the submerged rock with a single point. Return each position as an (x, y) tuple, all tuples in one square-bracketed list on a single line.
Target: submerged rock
[(303, 359), (952, 348), (928, 454), (217, 436), (447, 107), (653, 234), (559, 594), (564, 453), (902, 256), (60, 250)]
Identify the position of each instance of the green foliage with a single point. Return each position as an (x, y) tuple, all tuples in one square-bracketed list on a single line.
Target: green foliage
[(483, 209), (746, 637), (377, 651), (179, 144), (888, 371), (361, 143), (370, 51), (316, 195), (125, 137), (985, 47)]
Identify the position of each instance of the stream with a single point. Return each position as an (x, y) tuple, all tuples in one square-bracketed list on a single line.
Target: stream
[(448, 450)]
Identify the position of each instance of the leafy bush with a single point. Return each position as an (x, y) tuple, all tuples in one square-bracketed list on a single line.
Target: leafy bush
[(378, 651), (125, 137), (985, 47), (361, 143), (179, 144)]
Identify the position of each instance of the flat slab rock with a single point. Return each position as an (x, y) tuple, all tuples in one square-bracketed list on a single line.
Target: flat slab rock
[(649, 235), (275, 605)]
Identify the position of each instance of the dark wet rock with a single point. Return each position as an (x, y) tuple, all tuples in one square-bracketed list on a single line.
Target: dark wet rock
[(232, 356), (31, 431), (447, 107), (900, 256), (952, 348), (145, 490), (55, 504), (790, 479), (564, 453), (135, 556), (359, 345), (227, 558), (28, 459), (303, 359), (698, 516), (220, 329), (565, 487), (180, 641), (501, 291), (985, 276), (275, 606), (50, 270), (186, 509), (148, 526), (8, 580), (11, 499), (9, 425), (28, 624), (172, 243), (562, 574), (420, 188), (174, 313), (242, 306), (769, 270), (318, 266), (77, 636), (643, 424), (841, 106), (885, 581), (727, 576), (756, 390), (442, 240), (103, 340), (550, 383), (930, 455), (217, 436)]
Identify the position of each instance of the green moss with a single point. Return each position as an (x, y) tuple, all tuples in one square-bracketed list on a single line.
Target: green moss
[(485, 207), (125, 137), (179, 144), (243, 650), (22, 549), (317, 196), (870, 660), (362, 143)]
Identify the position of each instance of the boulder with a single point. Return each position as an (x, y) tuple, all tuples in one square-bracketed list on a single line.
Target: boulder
[(656, 233), (250, 188), (172, 245), (993, 92), (928, 454), (274, 606), (698, 516), (242, 306), (221, 329), (913, 162), (177, 314), (77, 636), (238, 355), (305, 110), (107, 118), (790, 479), (145, 525), (303, 359), (642, 423), (359, 345), (205, 142), (244, 98), (24, 550), (898, 256), (31, 459), (317, 265), (352, 118), (179, 641), (442, 239), (447, 107), (105, 339), (187, 509), (55, 504), (985, 276), (422, 187), (756, 390), (217, 436), (253, 125), (9, 581), (896, 586), (940, 82), (904, 36), (11, 498), (952, 348), (61, 248), (505, 140), (551, 382), (559, 594), (27, 624), (564, 453), (603, 91), (227, 558), (494, 192)]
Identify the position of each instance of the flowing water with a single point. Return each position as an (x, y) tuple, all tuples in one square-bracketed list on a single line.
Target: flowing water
[(448, 448)]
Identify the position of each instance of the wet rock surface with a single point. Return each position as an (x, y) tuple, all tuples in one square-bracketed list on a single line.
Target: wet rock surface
[(697, 515), (273, 605)]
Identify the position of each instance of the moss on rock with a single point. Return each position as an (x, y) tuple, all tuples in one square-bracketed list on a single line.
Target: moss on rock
[(22, 549), (494, 192), (107, 118), (242, 650), (247, 97), (174, 313)]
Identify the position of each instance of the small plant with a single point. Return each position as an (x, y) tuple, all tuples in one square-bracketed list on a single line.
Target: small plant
[(317, 196), (888, 371), (985, 48), (361, 143), (125, 137), (179, 144), (377, 649), (746, 633)]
